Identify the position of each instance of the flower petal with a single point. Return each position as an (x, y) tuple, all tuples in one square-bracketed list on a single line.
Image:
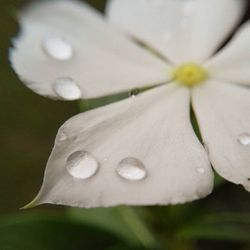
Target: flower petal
[(233, 62), (67, 51), (223, 113), (146, 150), (182, 30)]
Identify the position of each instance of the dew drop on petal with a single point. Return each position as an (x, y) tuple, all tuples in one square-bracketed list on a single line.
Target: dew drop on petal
[(66, 88), (131, 169), (62, 136), (82, 165), (244, 139), (57, 48), (201, 170)]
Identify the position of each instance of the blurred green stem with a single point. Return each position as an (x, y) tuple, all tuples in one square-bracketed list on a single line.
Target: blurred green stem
[(134, 222)]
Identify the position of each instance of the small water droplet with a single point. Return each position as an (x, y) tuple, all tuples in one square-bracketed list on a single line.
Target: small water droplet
[(244, 139), (66, 88), (57, 48), (82, 165), (201, 170), (131, 169), (134, 92), (62, 136)]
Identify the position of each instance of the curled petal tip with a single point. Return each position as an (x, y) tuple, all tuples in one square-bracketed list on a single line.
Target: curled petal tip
[(32, 204)]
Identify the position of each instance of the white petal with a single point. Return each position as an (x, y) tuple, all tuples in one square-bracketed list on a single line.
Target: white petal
[(233, 62), (223, 112), (151, 131), (182, 30), (70, 40)]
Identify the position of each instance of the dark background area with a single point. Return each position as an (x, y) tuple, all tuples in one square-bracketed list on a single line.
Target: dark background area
[(28, 125)]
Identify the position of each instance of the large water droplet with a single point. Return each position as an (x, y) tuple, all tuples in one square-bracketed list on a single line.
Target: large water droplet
[(244, 139), (82, 165), (57, 48), (131, 169), (66, 88)]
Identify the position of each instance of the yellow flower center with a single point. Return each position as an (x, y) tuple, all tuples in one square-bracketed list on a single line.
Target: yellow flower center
[(190, 74)]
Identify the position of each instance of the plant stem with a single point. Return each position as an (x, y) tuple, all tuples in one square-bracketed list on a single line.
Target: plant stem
[(138, 227)]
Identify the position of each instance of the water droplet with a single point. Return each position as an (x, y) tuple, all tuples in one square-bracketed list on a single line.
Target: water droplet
[(57, 48), (134, 92), (244, 139), (82, 165), (201, 170), (62, 136), (66, 88), (131, 169)]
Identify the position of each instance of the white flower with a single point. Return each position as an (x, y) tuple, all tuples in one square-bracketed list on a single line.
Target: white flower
[(142, 150)]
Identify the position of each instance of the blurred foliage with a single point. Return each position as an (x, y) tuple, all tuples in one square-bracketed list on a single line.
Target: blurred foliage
[(44, 232), (28, 124), (228, 226)]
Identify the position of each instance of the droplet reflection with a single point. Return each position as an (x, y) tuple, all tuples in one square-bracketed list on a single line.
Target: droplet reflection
[(244, 139), (201, 170), (131, 169), (66, 88), (57, 48), (82, 165)]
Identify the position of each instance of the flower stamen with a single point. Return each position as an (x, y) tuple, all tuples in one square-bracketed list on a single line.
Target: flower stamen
[(189, 74)]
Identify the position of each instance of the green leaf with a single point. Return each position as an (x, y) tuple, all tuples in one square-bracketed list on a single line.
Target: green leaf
[(218, 180), (121, 221), (104, 218), (222, 226), (43, 232)]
